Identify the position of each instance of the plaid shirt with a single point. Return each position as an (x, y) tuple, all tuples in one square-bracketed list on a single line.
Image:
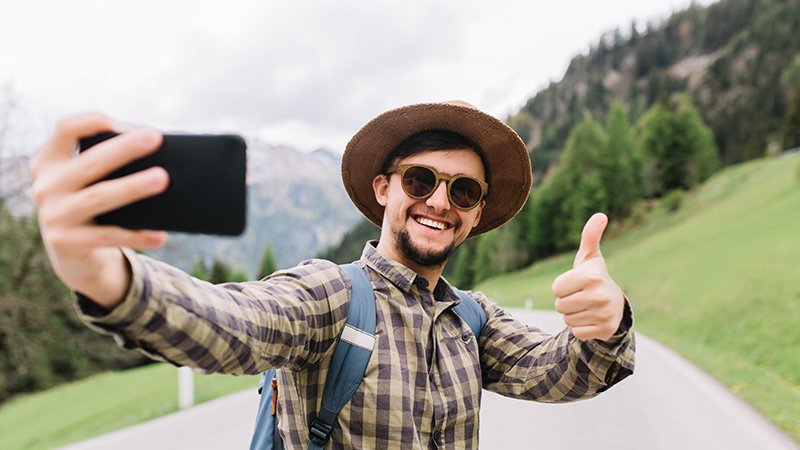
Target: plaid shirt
[(422, 387)]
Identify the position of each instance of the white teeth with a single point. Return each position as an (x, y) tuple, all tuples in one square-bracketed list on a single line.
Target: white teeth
[(431, 223)]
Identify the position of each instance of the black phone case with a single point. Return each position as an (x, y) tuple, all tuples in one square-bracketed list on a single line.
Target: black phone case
[(207, 190)]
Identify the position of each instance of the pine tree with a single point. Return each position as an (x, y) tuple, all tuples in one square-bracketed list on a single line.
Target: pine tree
[(570, 193), (584, 173), (463, 274), (199, 270), (616, 159), (268, 264), (678, 148), (703, 156), (219, 272)]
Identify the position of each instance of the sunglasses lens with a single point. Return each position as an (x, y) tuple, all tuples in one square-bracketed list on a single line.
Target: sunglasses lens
[(465, 192), (419, 181)]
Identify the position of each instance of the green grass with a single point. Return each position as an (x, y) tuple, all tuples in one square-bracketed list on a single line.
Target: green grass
[(103, 403), (718, 281)]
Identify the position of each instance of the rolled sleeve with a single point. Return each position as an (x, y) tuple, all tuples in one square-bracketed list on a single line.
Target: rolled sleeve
[(523, 362), (290, 319)]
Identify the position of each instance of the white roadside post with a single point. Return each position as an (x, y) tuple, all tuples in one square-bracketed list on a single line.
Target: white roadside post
[(185, 387), (528, 303)]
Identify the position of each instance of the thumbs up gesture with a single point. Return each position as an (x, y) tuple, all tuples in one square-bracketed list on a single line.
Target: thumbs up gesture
[(591, 302)]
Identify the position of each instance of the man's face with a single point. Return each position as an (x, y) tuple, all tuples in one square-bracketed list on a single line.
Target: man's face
[(424, 233)]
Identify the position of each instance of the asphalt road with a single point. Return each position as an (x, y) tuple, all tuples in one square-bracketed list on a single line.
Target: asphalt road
[(667, 404)]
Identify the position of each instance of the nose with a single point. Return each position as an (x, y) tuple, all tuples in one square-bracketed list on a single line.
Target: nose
[(438, 200)]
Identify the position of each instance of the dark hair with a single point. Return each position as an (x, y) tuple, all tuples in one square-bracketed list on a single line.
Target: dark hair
[(431, 140)]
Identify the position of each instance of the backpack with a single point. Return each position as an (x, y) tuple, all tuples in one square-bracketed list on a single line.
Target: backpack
[(350, 359)]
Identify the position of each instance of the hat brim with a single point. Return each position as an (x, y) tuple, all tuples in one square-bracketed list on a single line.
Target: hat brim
[(507, 162)]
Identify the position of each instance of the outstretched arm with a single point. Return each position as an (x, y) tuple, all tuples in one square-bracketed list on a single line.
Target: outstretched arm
[(86, 256), (594, 353)]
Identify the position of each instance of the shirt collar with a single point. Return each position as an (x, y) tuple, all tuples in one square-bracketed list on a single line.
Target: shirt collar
[(403, 277)]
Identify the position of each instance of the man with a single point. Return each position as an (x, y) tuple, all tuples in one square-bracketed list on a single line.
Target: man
[(430, 175)]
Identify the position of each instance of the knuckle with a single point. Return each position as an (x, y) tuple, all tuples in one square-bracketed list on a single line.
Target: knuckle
[(66, 126), (594, 276), (39, 192), (58, 238), (92, 167), (43, 189), (605, 315), (50, 217), (603, 296), (93, 199)]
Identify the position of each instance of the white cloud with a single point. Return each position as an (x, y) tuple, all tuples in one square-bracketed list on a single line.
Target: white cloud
[(303, 73)]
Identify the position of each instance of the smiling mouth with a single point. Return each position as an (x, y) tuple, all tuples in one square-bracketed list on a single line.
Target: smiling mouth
[(431, 223)]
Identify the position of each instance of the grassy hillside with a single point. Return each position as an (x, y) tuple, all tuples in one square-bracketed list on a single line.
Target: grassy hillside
[(103, 403), (718, 280)]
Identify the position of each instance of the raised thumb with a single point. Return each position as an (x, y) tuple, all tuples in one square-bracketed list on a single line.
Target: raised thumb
[(590, 239)]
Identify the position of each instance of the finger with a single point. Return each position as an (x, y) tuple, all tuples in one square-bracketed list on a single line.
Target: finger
[(579, 319), (576, 280), (60, 145), (82, 243), (590, 238), (107, 156), (588, 312), (113, 236), (99, 198), (76, 173), (573, 304), (589, 332)]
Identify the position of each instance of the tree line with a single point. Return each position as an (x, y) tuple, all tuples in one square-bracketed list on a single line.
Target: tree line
[(42, 342), (614, 167), (219, 272)]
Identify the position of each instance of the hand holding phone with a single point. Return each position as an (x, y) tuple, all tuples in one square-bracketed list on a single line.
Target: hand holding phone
[(88, 258), (207, 187)]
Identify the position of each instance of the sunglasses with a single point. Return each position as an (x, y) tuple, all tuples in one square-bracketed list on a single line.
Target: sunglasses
[(420, 182)]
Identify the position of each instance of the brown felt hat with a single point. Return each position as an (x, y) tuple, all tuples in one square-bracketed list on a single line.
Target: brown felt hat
[(508, 165)]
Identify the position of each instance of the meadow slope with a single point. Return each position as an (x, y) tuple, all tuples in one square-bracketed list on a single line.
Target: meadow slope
[(718, 280)]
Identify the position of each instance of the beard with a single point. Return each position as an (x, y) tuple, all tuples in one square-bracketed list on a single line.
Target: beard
[(423, 258)]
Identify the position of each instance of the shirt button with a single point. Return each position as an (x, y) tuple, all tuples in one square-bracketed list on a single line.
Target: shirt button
[(422, 282), (465, 337), (431, 377), (437, 435)]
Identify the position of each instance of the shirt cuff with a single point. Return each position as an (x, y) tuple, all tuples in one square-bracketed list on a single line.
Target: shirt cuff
[(622, 334), (626, 324), (93, 314)]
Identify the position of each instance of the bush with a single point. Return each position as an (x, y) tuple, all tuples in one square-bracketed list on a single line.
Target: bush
[(672, 200), (637, 215)]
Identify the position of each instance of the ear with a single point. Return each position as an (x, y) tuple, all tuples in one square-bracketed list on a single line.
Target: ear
[(380, 184), (478, 216)]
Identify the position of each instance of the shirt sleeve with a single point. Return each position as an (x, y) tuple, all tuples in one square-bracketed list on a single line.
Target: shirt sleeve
[(523, 362), (287, 320)]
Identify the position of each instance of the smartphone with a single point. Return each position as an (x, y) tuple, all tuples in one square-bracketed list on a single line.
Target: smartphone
[(207, 190)]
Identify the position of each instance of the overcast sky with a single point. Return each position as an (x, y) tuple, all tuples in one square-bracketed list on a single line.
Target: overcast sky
[(306, 74)]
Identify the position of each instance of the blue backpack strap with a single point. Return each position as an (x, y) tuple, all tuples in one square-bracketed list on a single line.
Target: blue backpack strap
[(265, 435), (355, 347), (471, 312)]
